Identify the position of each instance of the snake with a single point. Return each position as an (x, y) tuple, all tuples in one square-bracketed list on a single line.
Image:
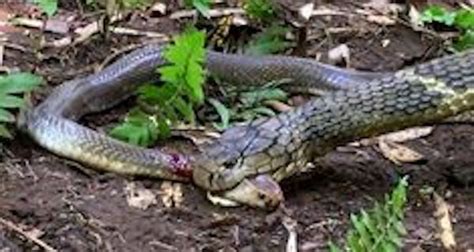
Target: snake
[(247, 161)]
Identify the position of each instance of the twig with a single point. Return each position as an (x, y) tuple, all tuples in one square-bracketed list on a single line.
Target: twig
[(290, 226), (17, 229), (212, 13), (134, 32)]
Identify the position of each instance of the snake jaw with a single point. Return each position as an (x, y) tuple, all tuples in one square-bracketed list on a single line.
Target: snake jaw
[(261, 191)]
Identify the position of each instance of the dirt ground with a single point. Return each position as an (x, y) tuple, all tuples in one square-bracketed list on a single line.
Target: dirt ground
[(72, 208)]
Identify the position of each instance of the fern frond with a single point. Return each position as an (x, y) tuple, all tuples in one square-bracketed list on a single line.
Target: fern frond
[(381, 228), (182, 89)]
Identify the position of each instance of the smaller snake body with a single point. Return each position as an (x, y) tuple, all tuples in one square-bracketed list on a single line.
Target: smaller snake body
[(245, 162)]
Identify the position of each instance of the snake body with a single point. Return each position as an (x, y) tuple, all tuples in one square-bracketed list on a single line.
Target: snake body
[(248, 158)]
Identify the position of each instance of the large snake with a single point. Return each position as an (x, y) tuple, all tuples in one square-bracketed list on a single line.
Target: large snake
[(246, 162)]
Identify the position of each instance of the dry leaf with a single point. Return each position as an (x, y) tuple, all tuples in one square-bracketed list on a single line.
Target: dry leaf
[(57, 26), (278, 105), (415, 17), (442, 215), (306, 11), (34, 232), (398, 153), (339, 54), (171, 194), (381, 20), (159, 7), (139, 197), (408, 134), (221, 201)]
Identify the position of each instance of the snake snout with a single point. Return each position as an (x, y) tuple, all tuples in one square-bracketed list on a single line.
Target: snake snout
[(261, 191)]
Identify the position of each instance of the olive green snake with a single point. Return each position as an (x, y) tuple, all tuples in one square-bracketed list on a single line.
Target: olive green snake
[(247, 161)]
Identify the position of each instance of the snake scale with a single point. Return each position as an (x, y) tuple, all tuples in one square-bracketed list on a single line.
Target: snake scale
[(247, 161)]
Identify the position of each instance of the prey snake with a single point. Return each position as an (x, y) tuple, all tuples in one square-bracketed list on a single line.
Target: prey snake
[(246, 162)]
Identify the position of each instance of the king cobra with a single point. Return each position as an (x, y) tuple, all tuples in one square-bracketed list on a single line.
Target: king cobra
[(246, 163)]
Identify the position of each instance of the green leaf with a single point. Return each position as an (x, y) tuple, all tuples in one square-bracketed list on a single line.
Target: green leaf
[(361, 231), (259, 9), (138, 128), (4, 132), (202, 6), (194, 79), (388, 247), (436, 13), (333, 247), (185, 109), (398, 226), (224, 114), (369, 223), (18, 83), (354, 242), (163, 128), (257, 96), (398, 198), (48, 6), (264, 111), (271, 40), (9, 101), (6, 116), (465, 41), (465, 19), (394, 237)]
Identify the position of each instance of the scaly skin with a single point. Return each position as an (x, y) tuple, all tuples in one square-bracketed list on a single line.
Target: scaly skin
[(280, 146), (51, 124), (245, 162)]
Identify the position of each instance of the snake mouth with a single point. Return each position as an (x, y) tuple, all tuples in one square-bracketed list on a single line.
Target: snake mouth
[(261, 191)]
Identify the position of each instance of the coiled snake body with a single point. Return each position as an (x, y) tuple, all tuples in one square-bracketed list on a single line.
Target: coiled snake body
[(245, 163)]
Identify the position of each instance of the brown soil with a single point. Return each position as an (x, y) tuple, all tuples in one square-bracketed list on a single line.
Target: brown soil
[(77, 209)]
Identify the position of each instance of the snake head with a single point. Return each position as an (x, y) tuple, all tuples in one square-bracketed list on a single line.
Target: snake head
[(261, 191), (241, 164)]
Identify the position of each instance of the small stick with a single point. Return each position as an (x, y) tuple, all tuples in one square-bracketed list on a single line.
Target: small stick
[(17, 229)]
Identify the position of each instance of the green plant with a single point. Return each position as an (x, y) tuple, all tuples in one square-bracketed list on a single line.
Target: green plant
[(270, 40), (202, 6), (462, 19), (249, 104), (183, 80), (259, 9), (11, 87), (381, 228), (47, 6)]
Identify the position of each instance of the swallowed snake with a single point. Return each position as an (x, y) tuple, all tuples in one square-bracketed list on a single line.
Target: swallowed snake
[(246, 163)]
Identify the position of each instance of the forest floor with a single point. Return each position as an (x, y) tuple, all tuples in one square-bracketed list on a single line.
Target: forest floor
[(72, 208)]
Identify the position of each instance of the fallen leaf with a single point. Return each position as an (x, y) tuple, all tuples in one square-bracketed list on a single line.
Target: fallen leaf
[(398, 153), (408, 134), (442, 215), (415, 17), (306, 11), (396, 137), (159, 8), (171, 194), (339, 54), (57, 26), (381, 20), (278, 105), (139, 197)]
